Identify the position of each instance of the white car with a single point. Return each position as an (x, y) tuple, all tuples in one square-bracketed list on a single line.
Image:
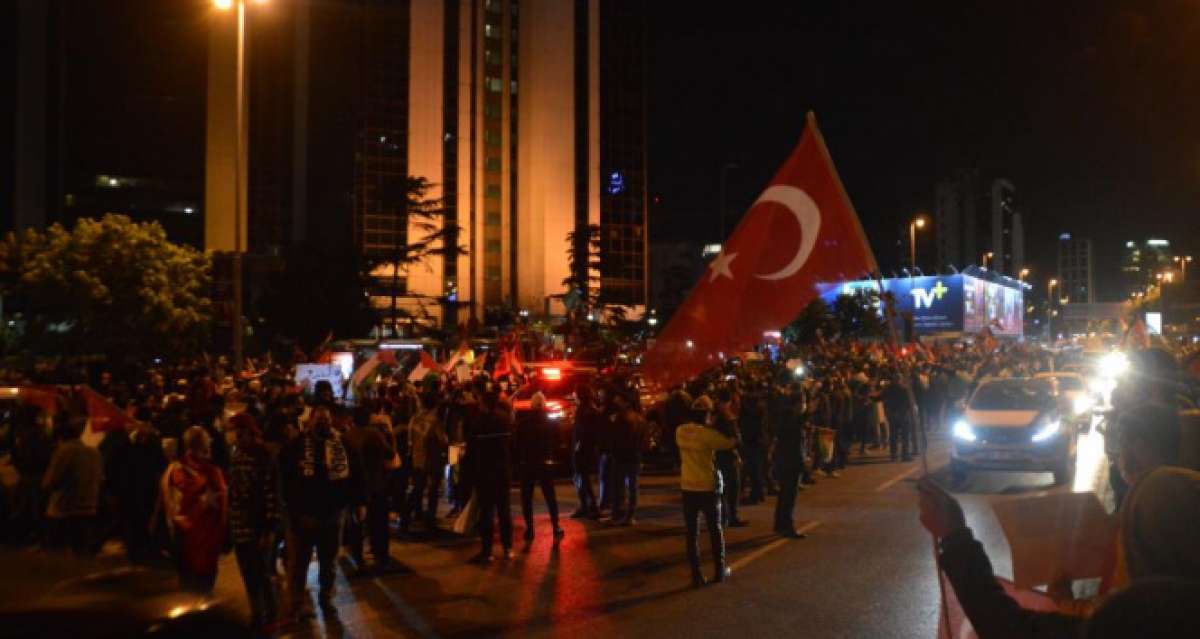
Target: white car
[(1072, 387), (1014, 424)]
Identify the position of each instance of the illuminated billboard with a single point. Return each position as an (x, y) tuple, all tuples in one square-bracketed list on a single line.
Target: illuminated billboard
[(947, 304), (988, 304)]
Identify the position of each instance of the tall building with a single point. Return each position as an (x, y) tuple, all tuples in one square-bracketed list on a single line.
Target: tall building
[(527, 118), (107, 113), (1142, 261), (1075, 269), (975, 216)]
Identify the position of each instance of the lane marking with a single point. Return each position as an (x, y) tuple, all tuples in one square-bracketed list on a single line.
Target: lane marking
[(744, 561), (893, 481)]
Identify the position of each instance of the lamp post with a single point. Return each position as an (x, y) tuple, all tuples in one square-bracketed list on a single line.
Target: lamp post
[(987, 259), (1022, 275), (239, 160), (1183, 262), (918, 223)]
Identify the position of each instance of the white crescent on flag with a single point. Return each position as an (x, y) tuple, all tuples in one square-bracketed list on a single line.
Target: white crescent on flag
[(807, 215)]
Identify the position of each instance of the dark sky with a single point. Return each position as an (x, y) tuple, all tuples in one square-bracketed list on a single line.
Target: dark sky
[(1092, 108)]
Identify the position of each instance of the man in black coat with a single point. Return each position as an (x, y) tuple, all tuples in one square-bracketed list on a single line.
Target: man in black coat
[(535, 440), (588, 422), (789, 462), (489, 455)]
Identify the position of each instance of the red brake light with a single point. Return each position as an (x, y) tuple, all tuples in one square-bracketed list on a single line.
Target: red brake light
[(552, 374)]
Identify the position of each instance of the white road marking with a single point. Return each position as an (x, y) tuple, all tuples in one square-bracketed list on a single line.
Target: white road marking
[(893, 481), (744, 561)]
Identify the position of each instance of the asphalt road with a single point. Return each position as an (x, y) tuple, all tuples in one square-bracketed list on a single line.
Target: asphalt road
[(866, 569)]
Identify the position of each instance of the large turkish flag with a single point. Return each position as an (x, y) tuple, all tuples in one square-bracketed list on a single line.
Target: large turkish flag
[(802, 232)]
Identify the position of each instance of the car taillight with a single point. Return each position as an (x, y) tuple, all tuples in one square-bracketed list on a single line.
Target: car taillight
[(552, 374), (555, 410)]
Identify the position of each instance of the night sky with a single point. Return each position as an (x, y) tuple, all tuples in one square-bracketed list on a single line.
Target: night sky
[(1092, 108)]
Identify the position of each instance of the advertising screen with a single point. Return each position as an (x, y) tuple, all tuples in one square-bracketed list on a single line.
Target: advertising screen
[(936, 302), (987, 304)]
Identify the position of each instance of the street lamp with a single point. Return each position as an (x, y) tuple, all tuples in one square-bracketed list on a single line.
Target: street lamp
[(1022, 275), (1183, 262), (918, 223), (238, 162), (987, 259)]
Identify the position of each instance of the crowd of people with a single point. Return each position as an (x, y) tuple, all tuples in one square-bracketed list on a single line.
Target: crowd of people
[(212, 461)]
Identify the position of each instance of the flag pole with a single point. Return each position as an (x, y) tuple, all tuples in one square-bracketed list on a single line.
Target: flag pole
[(888, 314)]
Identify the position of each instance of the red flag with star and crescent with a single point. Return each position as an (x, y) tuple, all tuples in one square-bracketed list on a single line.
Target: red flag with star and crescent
[(800, 234)]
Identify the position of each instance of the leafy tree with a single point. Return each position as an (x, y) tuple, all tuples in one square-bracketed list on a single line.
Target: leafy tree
[(416, 211), (857, 314), (109, 286), (816, 319), (583, 260)]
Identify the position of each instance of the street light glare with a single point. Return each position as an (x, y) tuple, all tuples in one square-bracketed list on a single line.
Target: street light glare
[(223, 4), (920, 222)]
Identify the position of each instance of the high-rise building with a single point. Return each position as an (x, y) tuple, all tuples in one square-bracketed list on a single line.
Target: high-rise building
[(974, 217), (527, 118), (1142, 261), (1075, 269), (99, 125)]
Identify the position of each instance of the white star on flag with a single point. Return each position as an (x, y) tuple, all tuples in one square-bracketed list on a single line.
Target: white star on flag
[(720, 266)]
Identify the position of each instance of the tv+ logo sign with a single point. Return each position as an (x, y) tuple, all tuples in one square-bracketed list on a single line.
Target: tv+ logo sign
[(925, 298)]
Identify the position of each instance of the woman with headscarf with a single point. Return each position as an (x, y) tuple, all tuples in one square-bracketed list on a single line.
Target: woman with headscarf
[(197, 512)]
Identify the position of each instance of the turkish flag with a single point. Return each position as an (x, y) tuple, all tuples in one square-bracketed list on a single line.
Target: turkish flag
[(104, 415), (800, 234)]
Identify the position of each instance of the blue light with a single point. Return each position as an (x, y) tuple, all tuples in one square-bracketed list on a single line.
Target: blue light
[(616, 183)]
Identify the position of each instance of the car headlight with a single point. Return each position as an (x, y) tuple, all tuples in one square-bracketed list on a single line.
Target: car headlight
[(964, 431), (1082, 404), (1114, 364), (1048, 430)]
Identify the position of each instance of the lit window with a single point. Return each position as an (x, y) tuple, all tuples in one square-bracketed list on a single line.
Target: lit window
[(491, 31), (513, 86), (492, 164), (495, 85)]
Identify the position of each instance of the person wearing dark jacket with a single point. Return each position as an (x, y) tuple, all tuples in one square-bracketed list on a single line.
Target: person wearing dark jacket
[(372, 441), (588, 422), (753, 422), (628, 435), (789, 462), (253, 516), (535, 437), (898, 405), (489, 455), (321, 477), (727, 460)]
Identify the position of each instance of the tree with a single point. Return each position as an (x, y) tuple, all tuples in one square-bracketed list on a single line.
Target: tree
[(415, 211), (583, 261), (815, 320), (857, 314), (108, 286)]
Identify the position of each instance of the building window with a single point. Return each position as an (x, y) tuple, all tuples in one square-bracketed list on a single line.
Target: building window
[(495, 85), (491, 31), (493, 273), (492, 218), (493, 246), (493, 190), (492, 164)]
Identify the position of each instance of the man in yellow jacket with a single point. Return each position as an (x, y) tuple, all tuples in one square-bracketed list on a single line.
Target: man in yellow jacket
[(698, 441)]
